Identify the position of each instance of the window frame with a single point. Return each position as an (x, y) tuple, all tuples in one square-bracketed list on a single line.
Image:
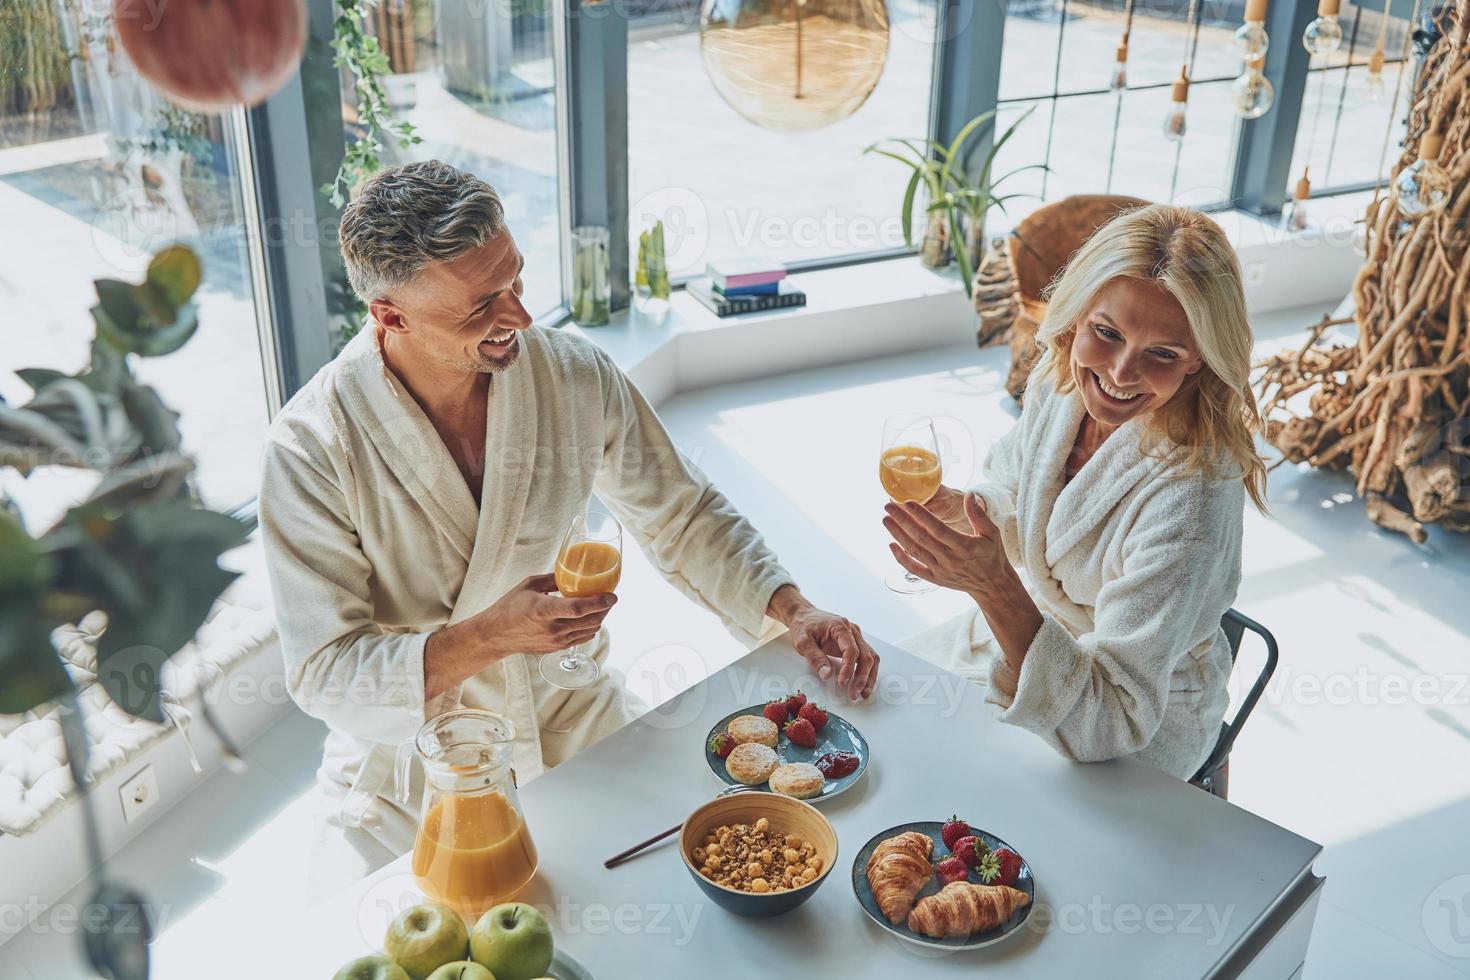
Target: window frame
[(1398, 62), (294, 149)]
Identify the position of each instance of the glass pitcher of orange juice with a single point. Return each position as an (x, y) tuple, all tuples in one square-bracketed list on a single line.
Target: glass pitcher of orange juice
[(473, 849)]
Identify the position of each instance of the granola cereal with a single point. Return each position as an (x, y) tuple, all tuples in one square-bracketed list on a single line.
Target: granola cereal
[(752, 858)]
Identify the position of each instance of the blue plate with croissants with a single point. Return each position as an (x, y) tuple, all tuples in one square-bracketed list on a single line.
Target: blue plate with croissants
[(943, 884)]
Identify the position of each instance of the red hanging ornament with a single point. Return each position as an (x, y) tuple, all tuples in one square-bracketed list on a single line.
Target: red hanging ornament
[(211, 55)]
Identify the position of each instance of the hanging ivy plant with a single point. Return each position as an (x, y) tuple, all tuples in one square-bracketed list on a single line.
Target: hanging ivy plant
[(359, 52)]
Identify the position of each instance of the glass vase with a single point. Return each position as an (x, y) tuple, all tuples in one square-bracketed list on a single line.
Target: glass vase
[(591, 279)]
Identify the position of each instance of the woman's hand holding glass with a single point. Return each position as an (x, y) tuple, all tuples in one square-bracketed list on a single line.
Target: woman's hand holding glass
[(969, 558), (949, 506)]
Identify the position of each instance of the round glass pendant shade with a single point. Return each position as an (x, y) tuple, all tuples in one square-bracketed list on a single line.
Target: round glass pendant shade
[(794, 64)]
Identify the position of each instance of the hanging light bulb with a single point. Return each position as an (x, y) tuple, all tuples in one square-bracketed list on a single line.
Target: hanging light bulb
[(1119, 81), (1374, 80), (1294, 215), (1423, 187), (1250, 38), (1253, 94), (1179, 101), (791, 64), (1324, 35)]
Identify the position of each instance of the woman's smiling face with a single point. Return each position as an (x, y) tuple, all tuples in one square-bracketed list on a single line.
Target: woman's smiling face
[(1132, 350)]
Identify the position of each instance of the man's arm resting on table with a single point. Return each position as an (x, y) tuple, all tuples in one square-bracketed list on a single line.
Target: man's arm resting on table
[(823, 638)]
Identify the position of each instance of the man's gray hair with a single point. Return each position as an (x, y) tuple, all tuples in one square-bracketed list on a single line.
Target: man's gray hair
[(407, 217)]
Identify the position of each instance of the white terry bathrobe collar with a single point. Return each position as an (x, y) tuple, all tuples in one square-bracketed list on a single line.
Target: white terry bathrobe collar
[(1078, 508)]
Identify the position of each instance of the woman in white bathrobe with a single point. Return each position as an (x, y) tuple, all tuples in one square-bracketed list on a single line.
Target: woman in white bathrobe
[(1120, 492)]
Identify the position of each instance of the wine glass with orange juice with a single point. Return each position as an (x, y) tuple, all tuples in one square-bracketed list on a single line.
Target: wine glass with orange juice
[(590, 562), (910, 470)]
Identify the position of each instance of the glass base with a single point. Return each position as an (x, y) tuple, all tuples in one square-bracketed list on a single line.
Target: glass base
[(905, 583), (571, 669)]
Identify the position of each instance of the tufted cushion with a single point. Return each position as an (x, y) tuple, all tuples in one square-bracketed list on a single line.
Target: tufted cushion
[(34, 777)]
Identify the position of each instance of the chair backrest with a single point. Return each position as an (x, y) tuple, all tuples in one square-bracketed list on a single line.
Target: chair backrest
[(1043, 242), (1235, 626)]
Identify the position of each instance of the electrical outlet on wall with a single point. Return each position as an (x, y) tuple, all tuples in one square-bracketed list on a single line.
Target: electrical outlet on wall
[(139, 794)]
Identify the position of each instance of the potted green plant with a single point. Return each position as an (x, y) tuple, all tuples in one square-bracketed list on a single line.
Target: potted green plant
[(957, 202), (140, 547)]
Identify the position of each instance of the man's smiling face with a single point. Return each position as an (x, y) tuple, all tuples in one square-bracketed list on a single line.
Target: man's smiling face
[(465, 312)]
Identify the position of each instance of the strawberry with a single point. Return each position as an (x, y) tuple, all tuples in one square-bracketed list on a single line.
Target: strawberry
[(802, 733), (776, 712), (794, 703), (989, 868), (1009, 863), (721, 744), (951, 869), (813, 714), (952, 831), (970, 849)]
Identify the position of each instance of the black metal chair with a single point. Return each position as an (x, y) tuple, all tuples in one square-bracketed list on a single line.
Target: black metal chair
[(1212, 775)]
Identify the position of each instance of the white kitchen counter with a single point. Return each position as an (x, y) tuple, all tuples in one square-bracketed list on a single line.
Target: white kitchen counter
[(1138, 874)]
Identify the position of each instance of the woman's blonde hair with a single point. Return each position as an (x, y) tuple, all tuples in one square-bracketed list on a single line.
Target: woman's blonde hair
[(1213, 415)]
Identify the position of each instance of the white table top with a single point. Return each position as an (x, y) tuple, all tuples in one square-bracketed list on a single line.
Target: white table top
[(1137, 873)]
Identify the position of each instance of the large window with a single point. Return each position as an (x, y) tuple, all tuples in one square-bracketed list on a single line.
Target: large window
[(1346, 118), (739, 189), (1057, 62), (477, 82), (96, 174), (97, 171)]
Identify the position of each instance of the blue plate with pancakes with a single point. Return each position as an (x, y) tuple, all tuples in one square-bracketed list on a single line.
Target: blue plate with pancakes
[(1025, 882), (838, 735)]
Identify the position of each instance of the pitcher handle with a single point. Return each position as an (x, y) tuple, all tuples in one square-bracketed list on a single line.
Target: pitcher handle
[(401, 770), (369, 783)]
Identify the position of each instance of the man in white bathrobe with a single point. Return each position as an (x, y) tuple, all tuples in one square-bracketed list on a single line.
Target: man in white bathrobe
[(415, 493)]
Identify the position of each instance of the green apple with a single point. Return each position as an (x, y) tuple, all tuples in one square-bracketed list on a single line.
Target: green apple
[(513, 942), (425, 937), (467, 970), (371, 968)]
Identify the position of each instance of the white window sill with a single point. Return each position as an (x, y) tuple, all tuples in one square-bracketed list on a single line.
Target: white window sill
[(853, 313), (894, 306)]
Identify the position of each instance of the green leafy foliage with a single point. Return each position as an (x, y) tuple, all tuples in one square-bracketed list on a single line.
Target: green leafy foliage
[(35, 66), (173, 128), (139, 548), (359, 52), (25, 680), (154, 570), (153, 317), (961, 200)]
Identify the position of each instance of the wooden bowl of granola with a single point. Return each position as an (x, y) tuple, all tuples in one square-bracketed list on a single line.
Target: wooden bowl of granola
[(758, 854)]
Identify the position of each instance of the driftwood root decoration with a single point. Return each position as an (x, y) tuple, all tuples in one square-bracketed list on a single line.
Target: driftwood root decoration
[(1392, 406), (994, 295)]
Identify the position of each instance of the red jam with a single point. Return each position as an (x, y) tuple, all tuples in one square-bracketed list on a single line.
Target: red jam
[(835, 765)]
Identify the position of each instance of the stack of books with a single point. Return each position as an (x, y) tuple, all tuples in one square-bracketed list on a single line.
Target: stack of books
[(745, 286)]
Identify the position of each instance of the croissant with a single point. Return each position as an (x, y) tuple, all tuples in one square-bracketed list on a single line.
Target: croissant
[(962, 908), (898, 870)]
